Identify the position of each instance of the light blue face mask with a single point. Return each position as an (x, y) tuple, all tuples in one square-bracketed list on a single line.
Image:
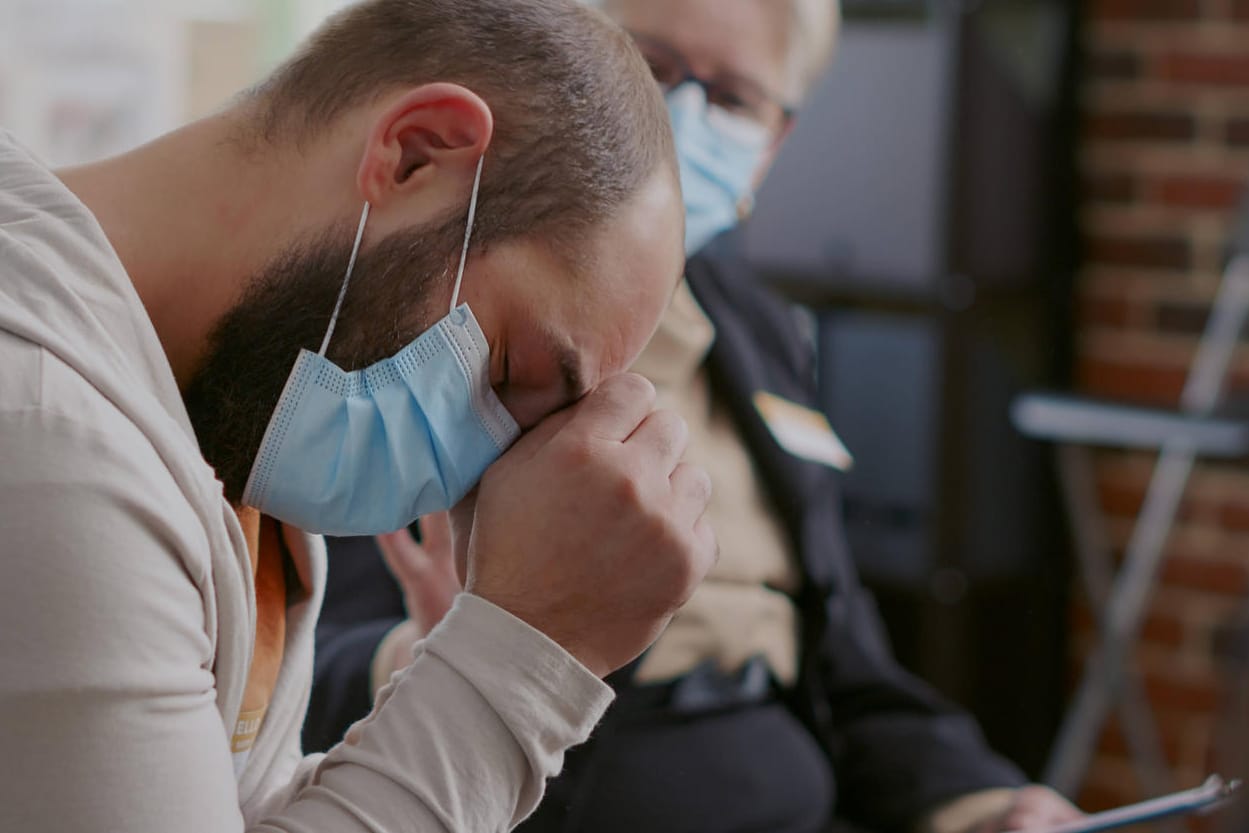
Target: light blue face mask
[(372, 450), (719, 154)]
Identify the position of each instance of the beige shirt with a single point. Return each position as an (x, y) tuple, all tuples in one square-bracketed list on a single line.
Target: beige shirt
[(741, 609), (127, 606)]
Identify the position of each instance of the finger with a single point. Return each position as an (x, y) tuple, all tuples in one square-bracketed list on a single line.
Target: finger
[(402, 554), (691, 491), (708, 546), (615, 408), (436, 535), (662, 437)]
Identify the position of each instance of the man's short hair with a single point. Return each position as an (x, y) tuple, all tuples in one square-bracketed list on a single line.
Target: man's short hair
[(578, 122)]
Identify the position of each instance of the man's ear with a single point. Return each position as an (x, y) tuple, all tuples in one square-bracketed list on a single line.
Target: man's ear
[(428, 130)]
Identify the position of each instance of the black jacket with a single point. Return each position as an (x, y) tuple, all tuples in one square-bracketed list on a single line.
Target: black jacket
[(897, 749)]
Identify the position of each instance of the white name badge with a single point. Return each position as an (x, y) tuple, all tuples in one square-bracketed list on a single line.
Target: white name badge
[(803, 432)]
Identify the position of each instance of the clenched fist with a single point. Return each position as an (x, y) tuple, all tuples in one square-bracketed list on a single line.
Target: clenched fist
[(590, 528)]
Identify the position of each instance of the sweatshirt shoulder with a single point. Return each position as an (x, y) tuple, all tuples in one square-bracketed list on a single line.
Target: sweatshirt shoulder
[(65, 440)]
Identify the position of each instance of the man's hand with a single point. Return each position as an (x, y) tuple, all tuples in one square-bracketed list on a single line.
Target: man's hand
[(425, 571), (1034, 808), (591, 528)]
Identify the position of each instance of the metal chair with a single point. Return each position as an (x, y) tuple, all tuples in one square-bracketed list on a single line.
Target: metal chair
[(1075, 425)]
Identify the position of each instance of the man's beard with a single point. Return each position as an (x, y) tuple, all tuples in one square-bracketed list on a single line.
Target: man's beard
[(392, 297)]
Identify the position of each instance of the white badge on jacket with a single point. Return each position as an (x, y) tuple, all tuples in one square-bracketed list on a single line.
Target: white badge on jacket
[(802, 432)]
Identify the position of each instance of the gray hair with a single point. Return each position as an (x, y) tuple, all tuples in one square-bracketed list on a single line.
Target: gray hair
[(813, 27)]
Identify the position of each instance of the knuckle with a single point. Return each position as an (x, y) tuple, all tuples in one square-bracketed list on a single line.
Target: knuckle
[(632, 386), (629, 492), (695, 482), (577, 452), (674, 429), (701, 483), (692, 567)]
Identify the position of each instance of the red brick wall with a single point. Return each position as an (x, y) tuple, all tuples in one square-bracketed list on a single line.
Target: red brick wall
[(1164, 157)]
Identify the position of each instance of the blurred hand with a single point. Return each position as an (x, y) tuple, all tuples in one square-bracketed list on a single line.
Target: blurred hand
[(1035, 808), (425, 571), (591, 528)]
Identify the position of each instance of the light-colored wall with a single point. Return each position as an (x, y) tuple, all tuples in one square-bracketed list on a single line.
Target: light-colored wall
[(82, 79)]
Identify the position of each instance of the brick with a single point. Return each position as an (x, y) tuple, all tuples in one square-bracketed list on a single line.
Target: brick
[(1131, 382), (1114, 188), (1163, 630), (1226, 69), (1235, 516), (1222, 577), (1184, 319), (1219, 193), (1105, 312), (1144, 11), (1236, 133), (1149, 252), (1195, 696), (1119, 499), (1140, 125), (1112, 65)]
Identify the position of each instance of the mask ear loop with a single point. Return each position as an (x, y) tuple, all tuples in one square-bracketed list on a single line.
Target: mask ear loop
[(468, 233), (355, 251), (342, 293)]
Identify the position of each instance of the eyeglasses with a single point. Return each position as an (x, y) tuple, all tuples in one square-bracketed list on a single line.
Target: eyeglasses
[(735, 94)]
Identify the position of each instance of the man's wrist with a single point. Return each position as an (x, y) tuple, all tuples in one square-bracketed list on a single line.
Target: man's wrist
[(502, 655)]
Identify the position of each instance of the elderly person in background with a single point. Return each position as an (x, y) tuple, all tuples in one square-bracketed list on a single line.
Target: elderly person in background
[(771, 703)]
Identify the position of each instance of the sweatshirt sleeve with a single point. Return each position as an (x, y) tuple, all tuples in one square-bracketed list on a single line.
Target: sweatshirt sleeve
[(462, 740), (108, 715)]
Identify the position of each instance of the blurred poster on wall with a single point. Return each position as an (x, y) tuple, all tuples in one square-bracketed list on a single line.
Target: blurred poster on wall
[(82, 79)]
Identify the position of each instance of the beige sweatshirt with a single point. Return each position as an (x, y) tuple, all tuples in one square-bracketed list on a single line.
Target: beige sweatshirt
[(127, 609)]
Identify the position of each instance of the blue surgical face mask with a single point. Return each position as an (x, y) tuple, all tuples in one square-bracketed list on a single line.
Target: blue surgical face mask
[(719, 154), (369, 451)]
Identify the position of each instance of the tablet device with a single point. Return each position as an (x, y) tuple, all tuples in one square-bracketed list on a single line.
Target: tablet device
[(1213, 792)]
